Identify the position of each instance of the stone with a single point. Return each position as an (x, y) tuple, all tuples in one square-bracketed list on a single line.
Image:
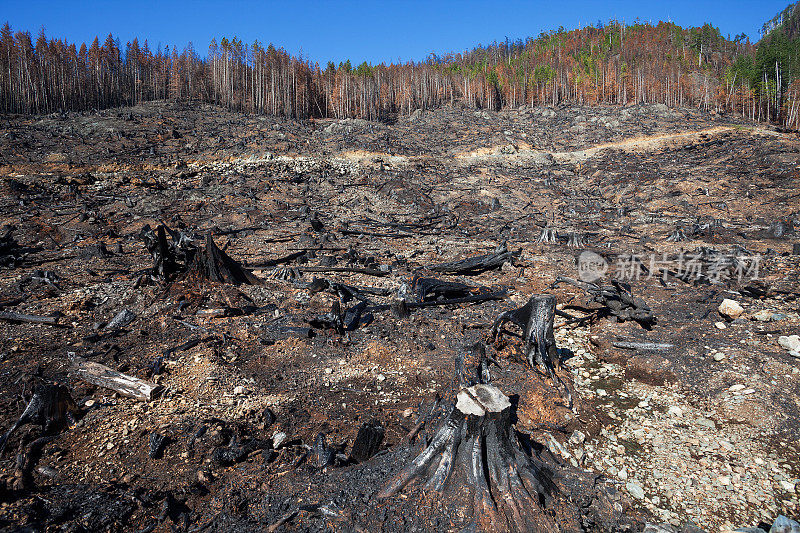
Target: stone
[(577, 437), (730, 309), (675, 411), (635, 490), (720, 325), (719, 356), (736, 388), (791, 343), (238, 390), (278, 439), (783, 524), (788, 486), (762, 316)]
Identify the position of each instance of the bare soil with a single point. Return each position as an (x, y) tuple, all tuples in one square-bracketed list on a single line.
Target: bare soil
[(393, 199)]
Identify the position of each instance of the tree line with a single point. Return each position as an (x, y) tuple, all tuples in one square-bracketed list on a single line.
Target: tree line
[(610, 63)]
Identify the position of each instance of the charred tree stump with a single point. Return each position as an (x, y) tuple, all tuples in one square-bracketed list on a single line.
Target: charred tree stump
[(677, 236), (213, 264), (548, 235), (575, 240), (477, 444), (535, 319), (51, 407)]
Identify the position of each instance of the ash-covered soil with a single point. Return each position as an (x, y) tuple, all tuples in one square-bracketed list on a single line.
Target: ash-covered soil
[(688, 208)]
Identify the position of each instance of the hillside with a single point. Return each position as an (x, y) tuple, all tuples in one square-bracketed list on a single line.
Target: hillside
[(614, 63)]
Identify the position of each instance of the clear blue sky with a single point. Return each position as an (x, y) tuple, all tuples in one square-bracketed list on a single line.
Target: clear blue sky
[(374, 31)]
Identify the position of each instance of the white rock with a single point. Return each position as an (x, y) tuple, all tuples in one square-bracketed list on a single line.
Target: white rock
[(238, 389), (601, 392), (577, 437), (720, 325), (730, 309), (278, 439), (635, 490), (675, 411), (724, 480), (762, 316), (719, 356), (622, 474), (788, 486), (791, 343), (736, 388), (380, 377)]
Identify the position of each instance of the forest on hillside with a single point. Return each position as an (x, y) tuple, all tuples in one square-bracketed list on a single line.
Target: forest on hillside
[(610, 63)]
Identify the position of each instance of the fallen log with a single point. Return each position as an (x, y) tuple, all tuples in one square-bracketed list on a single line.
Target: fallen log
[(481, 263), (103, 376), (30, 319), (650, 346)]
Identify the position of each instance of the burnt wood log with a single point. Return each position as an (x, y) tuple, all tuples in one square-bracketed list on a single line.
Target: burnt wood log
[(481, 263), (164, 260), (432, 289), (617, 299), (30, 319), (368, 441), (109, 378)]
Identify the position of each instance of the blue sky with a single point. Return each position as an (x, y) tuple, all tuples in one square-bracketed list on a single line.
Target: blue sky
[(374, 31)]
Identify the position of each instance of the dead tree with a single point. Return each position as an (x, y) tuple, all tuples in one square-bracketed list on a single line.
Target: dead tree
[(535, 319)]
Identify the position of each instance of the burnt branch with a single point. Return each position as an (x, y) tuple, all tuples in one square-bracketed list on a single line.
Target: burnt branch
[(481, 263)]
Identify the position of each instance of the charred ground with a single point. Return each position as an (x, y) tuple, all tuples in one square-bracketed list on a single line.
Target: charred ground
[(703, 430)]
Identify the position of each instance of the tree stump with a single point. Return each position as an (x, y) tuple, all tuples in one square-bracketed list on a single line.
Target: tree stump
[(535, 319), (477, 443), (213, 264)]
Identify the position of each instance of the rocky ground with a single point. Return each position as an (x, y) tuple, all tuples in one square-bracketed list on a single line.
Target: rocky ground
[(690, 209)]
